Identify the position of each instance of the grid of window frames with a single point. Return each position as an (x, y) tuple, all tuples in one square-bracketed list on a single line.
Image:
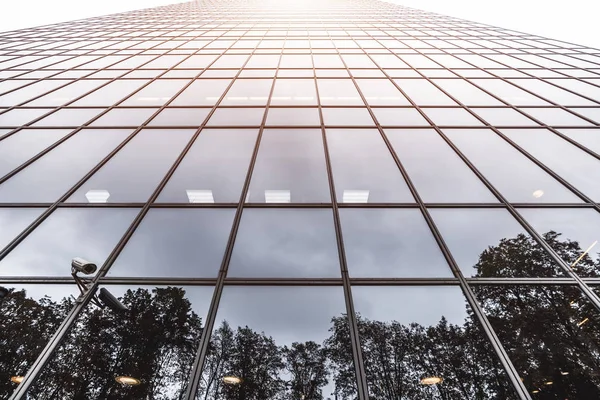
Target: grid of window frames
[(298, 200)]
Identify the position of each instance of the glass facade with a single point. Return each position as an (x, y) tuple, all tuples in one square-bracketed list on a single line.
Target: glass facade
[(307, 200)]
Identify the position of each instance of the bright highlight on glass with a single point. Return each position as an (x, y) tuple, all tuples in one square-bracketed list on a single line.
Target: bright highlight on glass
[(583, 322), (538, 193), (128, 380), (17, 379), (431, 380), (97, 196), (232, 380)]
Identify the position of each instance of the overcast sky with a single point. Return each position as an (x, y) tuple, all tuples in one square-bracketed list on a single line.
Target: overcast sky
[(574, 20)]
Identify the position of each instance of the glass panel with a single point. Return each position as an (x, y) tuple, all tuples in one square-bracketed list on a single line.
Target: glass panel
[(154, 342), (14, 220), (237, 117), (20, 147), (119, 117), (556, 117), (590, 138), (390, 243), (399, 117), (111, 93), (34, 312), (66, 94), (68, 233), (135, 172), (436, 351), (381, 92), (156, 93), (293, 117), (578, 168), (294, 92), (437, 172), (184, 243), (452, 117), (572, 233), (208, 174), (248, 91), (278, 342), (466, 93), (188, 117), (552, 93), (504, 117), (347, 117), (509, 93), (490, 243), (285, 243), (516, 177), (291, 161), (69, 117), (551, 336), (51, 176), (338, 92), (362, 163), (24, 116), (423, 93)]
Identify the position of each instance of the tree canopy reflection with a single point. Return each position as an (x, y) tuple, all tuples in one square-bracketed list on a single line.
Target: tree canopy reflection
[(550, 332)]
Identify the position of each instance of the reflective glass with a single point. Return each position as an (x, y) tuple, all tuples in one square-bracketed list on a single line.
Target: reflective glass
[(552, 93), (347, 117), (248, 92), (399, 117), (516, 177), (111, 93), (466, 93), (509, 93), (437, 172), (504, 117), (590, 138), (293, 117), (52, 175), (279, 342), (285, 243), (490, 243), (572, 233), (362, 163), (22, 116), (21, 146), (381, 92), (67, 93), (184, 243), (452, 117), (294, 92), (291, 161), (435, 350), (154, 342), (578, 168), (551, 336), (236, 117), (207, 174), (338, 92), (390, 243), (119, 117), (189, 117), (135, 171), (156, 93), (14, 221), (556, 117), (68, 233), (423, 93)]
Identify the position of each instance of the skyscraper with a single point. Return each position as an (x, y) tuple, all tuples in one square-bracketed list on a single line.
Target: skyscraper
[(355, 199)]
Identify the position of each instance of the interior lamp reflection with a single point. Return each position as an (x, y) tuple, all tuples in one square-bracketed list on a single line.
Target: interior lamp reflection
[(200, 196), (355, 196), (277, 196), (431, 380), (128, 380), (232, 380), (17, 379), (538, 193), (97, 196)]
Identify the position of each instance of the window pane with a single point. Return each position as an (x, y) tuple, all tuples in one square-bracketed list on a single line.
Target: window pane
[(440, 339), (362, 163), (248, 91), (156, 93), (154, 342), (67, 93), (111, 93), (277, 340), (293, 117), (424, 93), (237, 117), (466, 93), (294, 92), (504, 117), (188, 117), (550, 334), (438, 174), (208, 174), (291, 161), (202, 92), (509, 93), (120, 117), (590, 138), (184, 243), (14, 220), (572, 233), (135, 172), (516, 177), (68, 233), (338, 92), (20, 147), (347, 117), (490, 243), (381, 92), (51, 176), (399, 117), (452, 117), (390, 243), (552, 93), (578, 168), (285, 243)]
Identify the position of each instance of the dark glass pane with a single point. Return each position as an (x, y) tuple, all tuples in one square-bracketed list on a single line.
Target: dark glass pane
[(437, 172), (390, 243), (135, 171), (154, 341), (56, 172), (433, 350), (183, 242), (30, 315), (208, 174), (572, 233), (285, 243), (487, 243), (68, 233), (363, 168), (290, 167), (280, 343), (551, 334)]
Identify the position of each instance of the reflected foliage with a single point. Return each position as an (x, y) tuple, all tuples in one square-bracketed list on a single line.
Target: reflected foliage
[(550, 332)]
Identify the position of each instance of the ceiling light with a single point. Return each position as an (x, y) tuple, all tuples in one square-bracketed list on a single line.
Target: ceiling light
[(277, 196), (431, 380), (232, 380), (535, 391), (97, 196), (538, 193), (583, 322), (548, 383), (128, 380), (200, 196), (564, 373), (355, 196), (17, 379), (583, 254)]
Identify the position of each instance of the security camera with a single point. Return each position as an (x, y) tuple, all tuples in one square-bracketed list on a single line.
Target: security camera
[(83, 266), (3, 292), (111, 301)]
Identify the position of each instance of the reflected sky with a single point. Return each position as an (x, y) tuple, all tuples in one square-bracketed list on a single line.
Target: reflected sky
[(67, 233), (14, 220)]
